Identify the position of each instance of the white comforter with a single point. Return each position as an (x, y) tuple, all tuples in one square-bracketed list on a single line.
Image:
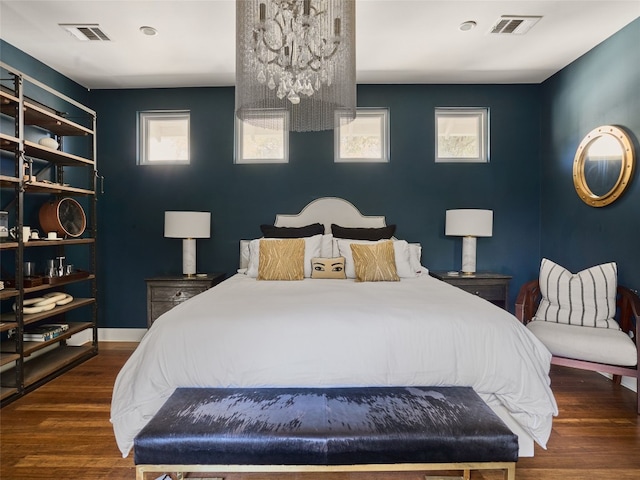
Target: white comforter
[(419, 331)]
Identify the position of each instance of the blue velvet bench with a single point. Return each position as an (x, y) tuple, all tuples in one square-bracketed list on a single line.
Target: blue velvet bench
[(376, 429)]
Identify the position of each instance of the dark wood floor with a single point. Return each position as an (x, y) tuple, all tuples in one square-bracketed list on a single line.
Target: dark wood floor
[(62, 430)]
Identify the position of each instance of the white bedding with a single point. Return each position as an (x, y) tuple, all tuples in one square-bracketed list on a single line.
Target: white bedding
[(419, 331)]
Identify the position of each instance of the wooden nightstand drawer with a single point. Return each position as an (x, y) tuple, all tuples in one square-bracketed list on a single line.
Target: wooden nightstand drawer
[(488, 292), (493, 287), (164, 293), (175, 294)]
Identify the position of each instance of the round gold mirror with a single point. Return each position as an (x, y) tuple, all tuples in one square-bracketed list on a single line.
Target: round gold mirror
[(603, 165)]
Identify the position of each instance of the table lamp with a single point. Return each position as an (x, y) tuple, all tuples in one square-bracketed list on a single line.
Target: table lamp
[(188, 226), (469, 223)]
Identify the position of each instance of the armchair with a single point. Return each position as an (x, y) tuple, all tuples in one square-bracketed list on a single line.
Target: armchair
[(588, 348)]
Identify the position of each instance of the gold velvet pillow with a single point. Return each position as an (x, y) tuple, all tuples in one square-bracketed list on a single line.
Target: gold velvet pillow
[(281, 259), (375, 262), (328, 268)]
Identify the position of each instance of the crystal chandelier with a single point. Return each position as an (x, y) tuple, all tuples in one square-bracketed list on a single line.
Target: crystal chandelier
[(295, 55)]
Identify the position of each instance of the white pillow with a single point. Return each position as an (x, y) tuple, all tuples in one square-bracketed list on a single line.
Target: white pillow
[(587, 298), (244, 254), (415, 256), (311, 249), (326, 249), (400, 248)]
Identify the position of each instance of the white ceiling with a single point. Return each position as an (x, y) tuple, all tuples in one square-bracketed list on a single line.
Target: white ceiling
[(397, 41)]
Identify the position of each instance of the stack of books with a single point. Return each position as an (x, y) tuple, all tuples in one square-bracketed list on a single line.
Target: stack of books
[(43, 333)]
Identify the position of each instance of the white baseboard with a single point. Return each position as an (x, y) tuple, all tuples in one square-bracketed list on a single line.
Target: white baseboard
[(121, 334), (630, 383), (109, 335)]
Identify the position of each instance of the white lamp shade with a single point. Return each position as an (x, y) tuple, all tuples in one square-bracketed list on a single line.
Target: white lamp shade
[(469, 222), (187, 224)]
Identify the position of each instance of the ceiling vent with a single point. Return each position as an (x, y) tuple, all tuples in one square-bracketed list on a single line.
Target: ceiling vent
[(514, 24), (86, 31)]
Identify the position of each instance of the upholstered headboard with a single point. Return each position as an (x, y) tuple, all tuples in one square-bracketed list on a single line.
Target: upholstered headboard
[(325, 210), (328, 210)]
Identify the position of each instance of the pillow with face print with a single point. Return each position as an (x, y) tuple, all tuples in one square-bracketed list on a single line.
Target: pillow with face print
[(328, 267)]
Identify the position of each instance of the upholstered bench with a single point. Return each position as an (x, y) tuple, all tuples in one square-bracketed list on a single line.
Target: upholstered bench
[(226, 430)]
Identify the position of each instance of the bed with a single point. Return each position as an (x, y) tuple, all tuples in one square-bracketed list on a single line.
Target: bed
[(416, 331)]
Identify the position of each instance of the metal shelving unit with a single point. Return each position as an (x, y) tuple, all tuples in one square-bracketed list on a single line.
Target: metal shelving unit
[(25, 365)]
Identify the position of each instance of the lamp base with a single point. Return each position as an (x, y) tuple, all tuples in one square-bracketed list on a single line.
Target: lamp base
[(468, 255), (189, 256)]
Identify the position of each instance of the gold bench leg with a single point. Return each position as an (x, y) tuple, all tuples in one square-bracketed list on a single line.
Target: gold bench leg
[(508, 469)]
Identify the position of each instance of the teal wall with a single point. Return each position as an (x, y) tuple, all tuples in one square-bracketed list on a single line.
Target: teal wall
[(411, 191), (600, 88), (535, 130)]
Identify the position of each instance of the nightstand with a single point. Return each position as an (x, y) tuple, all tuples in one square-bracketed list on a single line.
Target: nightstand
[(164, 293), (493, 287)]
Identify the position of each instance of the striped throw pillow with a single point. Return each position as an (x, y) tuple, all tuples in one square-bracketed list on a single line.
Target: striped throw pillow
[(586, 298)]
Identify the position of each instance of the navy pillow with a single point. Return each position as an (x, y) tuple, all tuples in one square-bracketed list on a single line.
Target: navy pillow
[(271, 231), (372, 234)]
